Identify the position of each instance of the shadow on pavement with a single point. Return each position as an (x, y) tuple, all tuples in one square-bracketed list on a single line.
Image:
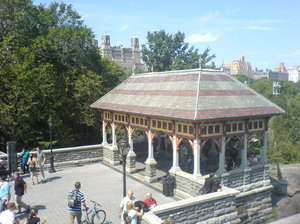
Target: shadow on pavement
[(39, 207), (52, 179)]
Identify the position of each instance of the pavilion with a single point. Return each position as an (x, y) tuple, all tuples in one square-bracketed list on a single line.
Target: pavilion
[(198, 106)]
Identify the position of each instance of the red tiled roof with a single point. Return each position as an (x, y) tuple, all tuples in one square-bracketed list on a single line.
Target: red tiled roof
[(188, 94)]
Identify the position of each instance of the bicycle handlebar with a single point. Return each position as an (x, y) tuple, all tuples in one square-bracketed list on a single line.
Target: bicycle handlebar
[(95, 203)]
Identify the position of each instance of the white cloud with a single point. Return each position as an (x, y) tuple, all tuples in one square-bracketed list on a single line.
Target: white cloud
[(261, 28), (124, 27), (297, 52), (210, 16), (206, 37)]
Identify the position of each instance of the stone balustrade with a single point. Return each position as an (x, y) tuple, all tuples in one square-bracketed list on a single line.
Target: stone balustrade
[(72, 155), (219, 207)]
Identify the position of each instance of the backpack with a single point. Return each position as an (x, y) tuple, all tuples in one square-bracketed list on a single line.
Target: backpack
[(72, 200)]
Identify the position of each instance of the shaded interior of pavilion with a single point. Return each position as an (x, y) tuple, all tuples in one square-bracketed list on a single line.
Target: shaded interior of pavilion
[(209, 156)]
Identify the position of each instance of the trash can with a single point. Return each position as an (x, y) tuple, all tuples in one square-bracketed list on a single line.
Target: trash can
[(168, 183)]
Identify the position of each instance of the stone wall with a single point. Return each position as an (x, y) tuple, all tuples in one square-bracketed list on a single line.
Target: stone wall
[(72, 155), (254, 206), (216, 207), (75, 155), (187, 185)]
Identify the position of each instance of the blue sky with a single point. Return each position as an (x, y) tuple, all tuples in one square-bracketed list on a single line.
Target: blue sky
[(266, 32)]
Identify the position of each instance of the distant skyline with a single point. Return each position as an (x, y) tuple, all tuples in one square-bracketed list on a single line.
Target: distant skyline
[(265, 32)]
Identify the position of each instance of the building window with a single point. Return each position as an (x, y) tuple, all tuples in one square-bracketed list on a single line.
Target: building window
[(142, 121), (170, 126), (184, 128), (210, 129), (120, 118), (240, 126), (203, 131), (123, 118), (234, 127), (191, 131), (255, 124), (154, 124), (179, 128), (228, 128), (260, 124), (126, 118), (132, 120), (165, 125), (250, 125), (116, 117), (137, 120), (158, 124), (146, 122), (217, 129)]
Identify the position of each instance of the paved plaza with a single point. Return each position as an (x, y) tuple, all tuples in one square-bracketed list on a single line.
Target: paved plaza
[(99, 182)]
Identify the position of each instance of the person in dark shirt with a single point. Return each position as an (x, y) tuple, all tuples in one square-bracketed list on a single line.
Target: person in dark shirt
[(210, 184), (20, 189), (33, 219)]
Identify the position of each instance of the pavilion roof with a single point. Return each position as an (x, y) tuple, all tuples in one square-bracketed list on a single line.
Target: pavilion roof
[(187, 94)]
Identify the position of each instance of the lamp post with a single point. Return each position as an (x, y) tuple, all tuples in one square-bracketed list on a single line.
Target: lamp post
[(51, 170), (123, 150)]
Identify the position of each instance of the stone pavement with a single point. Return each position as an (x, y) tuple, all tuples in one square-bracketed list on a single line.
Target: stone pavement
[(99, 182), (294, 219)]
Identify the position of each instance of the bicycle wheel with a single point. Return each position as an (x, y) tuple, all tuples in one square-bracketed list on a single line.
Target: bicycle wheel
[(99, 217)]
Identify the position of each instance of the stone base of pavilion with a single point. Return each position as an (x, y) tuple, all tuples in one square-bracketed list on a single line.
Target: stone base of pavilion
[(246, 198)]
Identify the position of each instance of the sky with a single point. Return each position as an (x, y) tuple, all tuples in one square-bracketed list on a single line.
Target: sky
[(266, 32)]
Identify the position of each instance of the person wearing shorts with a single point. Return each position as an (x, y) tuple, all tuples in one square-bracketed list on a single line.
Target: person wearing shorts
[(41, 159), (32, 163)]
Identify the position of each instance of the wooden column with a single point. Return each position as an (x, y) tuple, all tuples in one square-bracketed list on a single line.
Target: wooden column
[(104, 135), (197, 144), (222, 156), (175, 166), (114, 137)]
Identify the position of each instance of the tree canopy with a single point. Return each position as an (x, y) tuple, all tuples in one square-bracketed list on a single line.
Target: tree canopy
[(49, 67), (284, 130), (164, 52)]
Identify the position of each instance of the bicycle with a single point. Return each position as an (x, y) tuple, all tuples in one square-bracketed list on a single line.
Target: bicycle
[(95, 215)]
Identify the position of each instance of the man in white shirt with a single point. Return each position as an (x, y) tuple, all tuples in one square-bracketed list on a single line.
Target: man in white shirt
[(8, 216), (124, 201)]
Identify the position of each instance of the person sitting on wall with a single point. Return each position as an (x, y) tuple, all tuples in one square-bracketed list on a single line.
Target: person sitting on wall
[(209, 185)]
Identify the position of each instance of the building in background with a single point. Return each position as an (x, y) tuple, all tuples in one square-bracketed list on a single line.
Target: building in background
[(127, 58), (239, 67), (279, 76), (280, 68), (294, 74)]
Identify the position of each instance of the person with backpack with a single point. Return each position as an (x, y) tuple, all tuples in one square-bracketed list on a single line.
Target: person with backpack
[(75, 199)]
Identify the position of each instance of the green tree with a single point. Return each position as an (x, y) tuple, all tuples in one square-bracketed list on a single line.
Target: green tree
[(165, 52), (50, 67)]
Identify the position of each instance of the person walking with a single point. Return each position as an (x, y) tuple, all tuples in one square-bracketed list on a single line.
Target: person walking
[(75, 212), (122, 208), (32, 163), (8, 216), (20, 188), (4, 193), (33, 219), (41, 158), (25, 157)]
